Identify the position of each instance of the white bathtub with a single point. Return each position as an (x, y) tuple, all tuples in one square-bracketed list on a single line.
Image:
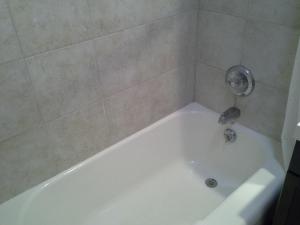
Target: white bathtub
[(157, 177)]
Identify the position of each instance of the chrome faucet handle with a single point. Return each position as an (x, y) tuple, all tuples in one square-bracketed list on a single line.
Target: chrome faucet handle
[(240, 80), (230, 115)]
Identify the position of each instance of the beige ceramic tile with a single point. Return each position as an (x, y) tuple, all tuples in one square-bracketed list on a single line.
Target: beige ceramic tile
[(269, 51), (129, 111), (220, 39), (285, 12), (48, 24), (171, 43), (264, 110), (79, 135), (65, 80), (18, 109), (26, 160), (139, 106), (114, 15), (162, 8), (9, 46), (231, 7), (211, 90), (129, 57), (117, 57), (174, 90)]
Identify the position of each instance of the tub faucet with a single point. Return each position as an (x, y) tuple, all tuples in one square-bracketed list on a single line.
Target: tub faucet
[(230, 115)]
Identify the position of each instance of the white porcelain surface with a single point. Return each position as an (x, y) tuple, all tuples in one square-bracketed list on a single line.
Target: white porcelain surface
[(157, 176)]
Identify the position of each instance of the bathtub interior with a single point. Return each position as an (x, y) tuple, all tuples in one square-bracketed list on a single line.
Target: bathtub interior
[(207, 150), (156, 176)]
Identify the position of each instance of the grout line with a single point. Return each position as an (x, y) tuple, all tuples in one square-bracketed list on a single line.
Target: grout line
[(15, 28), (98, 75), (23, 131), (243, 42), (176, 13), (27, 76), (34, 93), (196, 59), (12, 60), (144, 81), (222, 13), (210, 65), (109, 122), (247, 18), (244, 33), (89, 32), (102, 100)]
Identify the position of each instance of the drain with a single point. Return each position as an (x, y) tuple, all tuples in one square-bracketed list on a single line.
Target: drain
[(211, 183)]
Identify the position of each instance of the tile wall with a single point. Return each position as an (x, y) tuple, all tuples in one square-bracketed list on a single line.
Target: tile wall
[(79, 75), (263, 36)]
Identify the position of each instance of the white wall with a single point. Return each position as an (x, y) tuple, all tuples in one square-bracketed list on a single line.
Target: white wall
[(291, 132)]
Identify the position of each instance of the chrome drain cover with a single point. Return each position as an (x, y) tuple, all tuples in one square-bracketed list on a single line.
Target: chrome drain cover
[(211, 182)]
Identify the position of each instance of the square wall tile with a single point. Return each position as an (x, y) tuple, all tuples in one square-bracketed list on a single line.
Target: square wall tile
[(173, 90), (111, 16), (79, 135), (220, 39), (211, 90), (18, 111), (231, 7), (269, 51), (264, 110), (65, 79), (129, 110), (126, 58), (171, 43), (285, 12), (137, 107), (26, 160), (9, 45), (114, 15), (48, 24), (118, 57)]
